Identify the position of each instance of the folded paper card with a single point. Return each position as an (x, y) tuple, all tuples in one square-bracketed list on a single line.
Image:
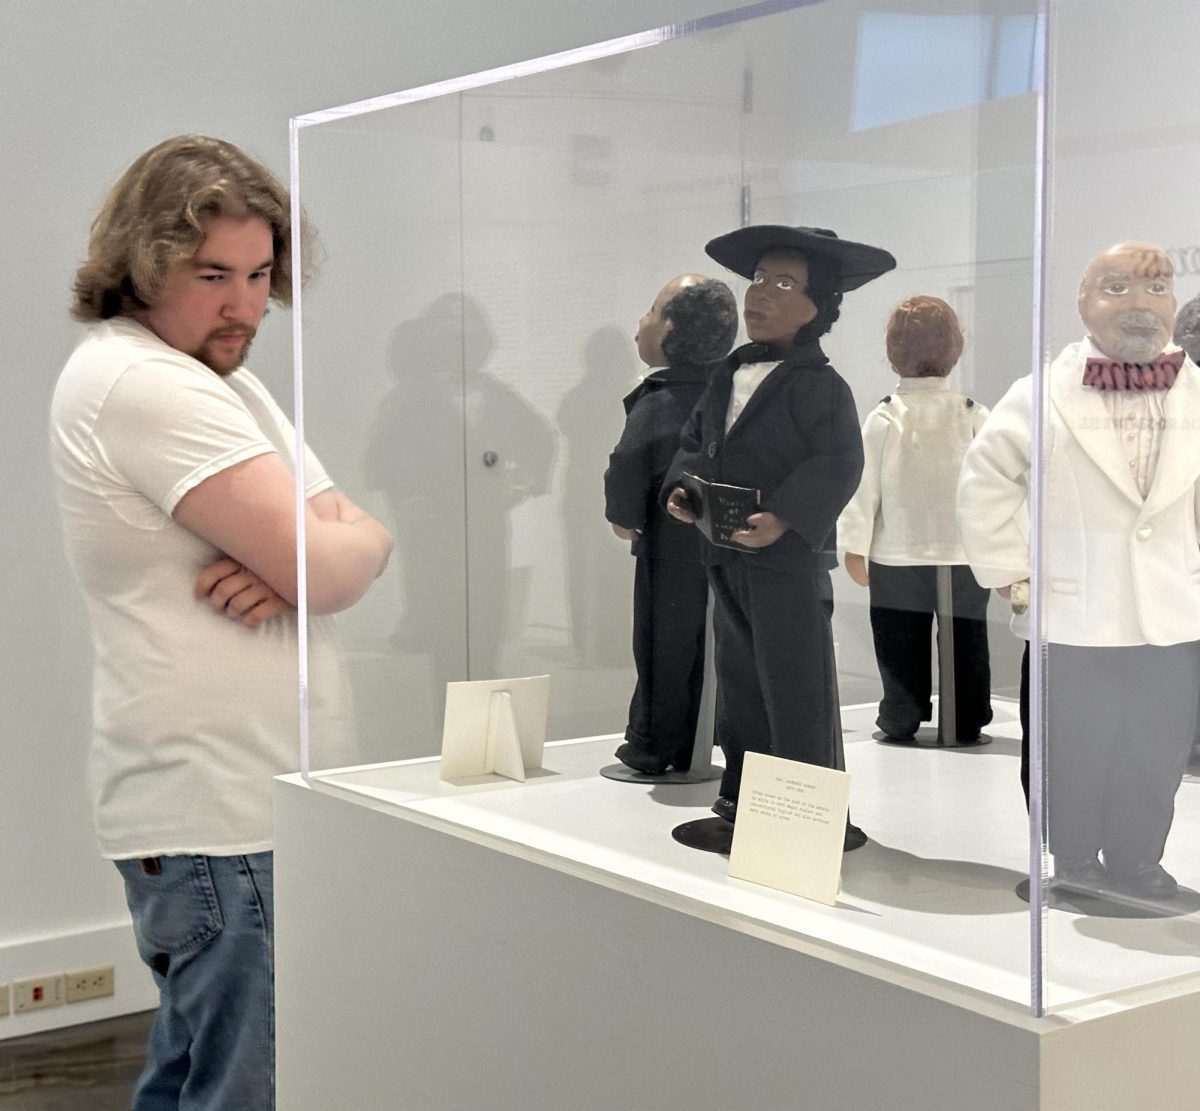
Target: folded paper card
[(495, 726)]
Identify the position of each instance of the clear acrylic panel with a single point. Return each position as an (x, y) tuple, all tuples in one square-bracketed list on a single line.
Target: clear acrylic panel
[(489, 247), (1116, 635)]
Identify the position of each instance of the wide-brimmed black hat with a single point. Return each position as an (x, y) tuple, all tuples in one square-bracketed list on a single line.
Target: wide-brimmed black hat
[(856, 263)]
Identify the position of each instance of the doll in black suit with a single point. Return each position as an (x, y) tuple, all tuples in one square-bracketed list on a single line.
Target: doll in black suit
[(778, 418), (691, 324)]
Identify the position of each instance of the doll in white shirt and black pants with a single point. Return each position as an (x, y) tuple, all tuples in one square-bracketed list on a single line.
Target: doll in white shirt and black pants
[(902, 518)]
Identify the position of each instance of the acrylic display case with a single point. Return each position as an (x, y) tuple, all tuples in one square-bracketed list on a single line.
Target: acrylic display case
[(487, 248)]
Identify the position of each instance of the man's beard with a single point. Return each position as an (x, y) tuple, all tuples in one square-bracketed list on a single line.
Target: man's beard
[(208, 356), (1128, 348)]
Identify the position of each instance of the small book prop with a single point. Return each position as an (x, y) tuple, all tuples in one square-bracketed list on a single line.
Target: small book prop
[(721, 510), (495, 726)]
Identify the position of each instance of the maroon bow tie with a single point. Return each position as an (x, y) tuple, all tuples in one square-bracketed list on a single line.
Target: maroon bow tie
[(1108, 374)]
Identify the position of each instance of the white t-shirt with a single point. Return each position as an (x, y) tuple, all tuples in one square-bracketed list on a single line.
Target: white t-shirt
[(193, 713), (903, 513)]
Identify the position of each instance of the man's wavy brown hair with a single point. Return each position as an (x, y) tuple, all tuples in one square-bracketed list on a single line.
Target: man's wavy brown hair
[(924, 339), (154, 218)]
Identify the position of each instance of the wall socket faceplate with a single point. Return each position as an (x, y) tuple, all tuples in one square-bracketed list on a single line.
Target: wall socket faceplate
[(88, 983), (3, 1000), (36, 993)]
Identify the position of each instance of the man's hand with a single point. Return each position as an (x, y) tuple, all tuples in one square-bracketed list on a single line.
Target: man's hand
[(856, 568), (626, 533), (762, 530), (248, 512), (239, 594), (679, 506)]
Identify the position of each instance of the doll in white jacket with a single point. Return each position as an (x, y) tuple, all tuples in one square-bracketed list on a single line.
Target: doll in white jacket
[(900, 526), (1121, 565)]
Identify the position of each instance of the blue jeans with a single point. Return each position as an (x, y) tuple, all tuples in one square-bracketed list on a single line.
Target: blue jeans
[(204, 925)]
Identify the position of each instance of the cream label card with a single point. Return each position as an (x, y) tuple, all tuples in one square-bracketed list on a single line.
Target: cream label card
[(791, 827)]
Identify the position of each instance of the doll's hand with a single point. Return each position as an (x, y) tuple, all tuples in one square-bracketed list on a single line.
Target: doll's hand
[(1017, 595), (762, 530), (679, 506), (856, 568), (626, 533)]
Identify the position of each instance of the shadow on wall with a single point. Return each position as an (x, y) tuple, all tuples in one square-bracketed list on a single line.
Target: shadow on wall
[(443, 398), (599, 572)]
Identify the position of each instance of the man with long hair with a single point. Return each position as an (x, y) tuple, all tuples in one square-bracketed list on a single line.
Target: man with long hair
[(175, 483)]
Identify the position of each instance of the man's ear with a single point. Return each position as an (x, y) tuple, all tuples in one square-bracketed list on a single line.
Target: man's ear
[(668, 326)]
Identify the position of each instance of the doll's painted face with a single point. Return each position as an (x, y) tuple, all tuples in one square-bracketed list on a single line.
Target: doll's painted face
[(652, 327), (776, 305), (1127, 301)]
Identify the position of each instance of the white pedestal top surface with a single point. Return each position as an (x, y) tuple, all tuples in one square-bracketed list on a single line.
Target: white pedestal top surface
[(928, 901)]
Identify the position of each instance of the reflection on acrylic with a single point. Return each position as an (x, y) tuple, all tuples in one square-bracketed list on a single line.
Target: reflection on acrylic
[(441, 384), (593, 577)]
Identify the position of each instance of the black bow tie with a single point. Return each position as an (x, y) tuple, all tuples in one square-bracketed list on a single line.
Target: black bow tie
[(758, 353)]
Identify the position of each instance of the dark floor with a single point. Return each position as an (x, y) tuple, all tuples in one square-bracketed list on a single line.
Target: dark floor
[(82, 1068)]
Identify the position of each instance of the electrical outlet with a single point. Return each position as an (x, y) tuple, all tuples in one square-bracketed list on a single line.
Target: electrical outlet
[(3, 1000), (32, 995), (90, 983)]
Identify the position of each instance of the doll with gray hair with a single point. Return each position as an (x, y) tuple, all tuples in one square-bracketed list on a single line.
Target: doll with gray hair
[(1187, 328), (690, 325), (1120, 616)]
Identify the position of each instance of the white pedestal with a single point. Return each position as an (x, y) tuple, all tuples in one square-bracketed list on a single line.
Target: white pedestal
[(545, 946)]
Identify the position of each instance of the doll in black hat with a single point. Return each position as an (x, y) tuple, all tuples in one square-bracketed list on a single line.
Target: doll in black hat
[(779, 419)]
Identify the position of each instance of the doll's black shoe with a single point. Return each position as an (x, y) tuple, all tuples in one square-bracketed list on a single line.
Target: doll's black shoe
[(639, 761), (854, 839), (1080, 873), (1146, 880), (725, 808)]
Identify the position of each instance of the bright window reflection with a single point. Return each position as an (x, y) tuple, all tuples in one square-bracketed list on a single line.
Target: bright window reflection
[(909, 65)]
